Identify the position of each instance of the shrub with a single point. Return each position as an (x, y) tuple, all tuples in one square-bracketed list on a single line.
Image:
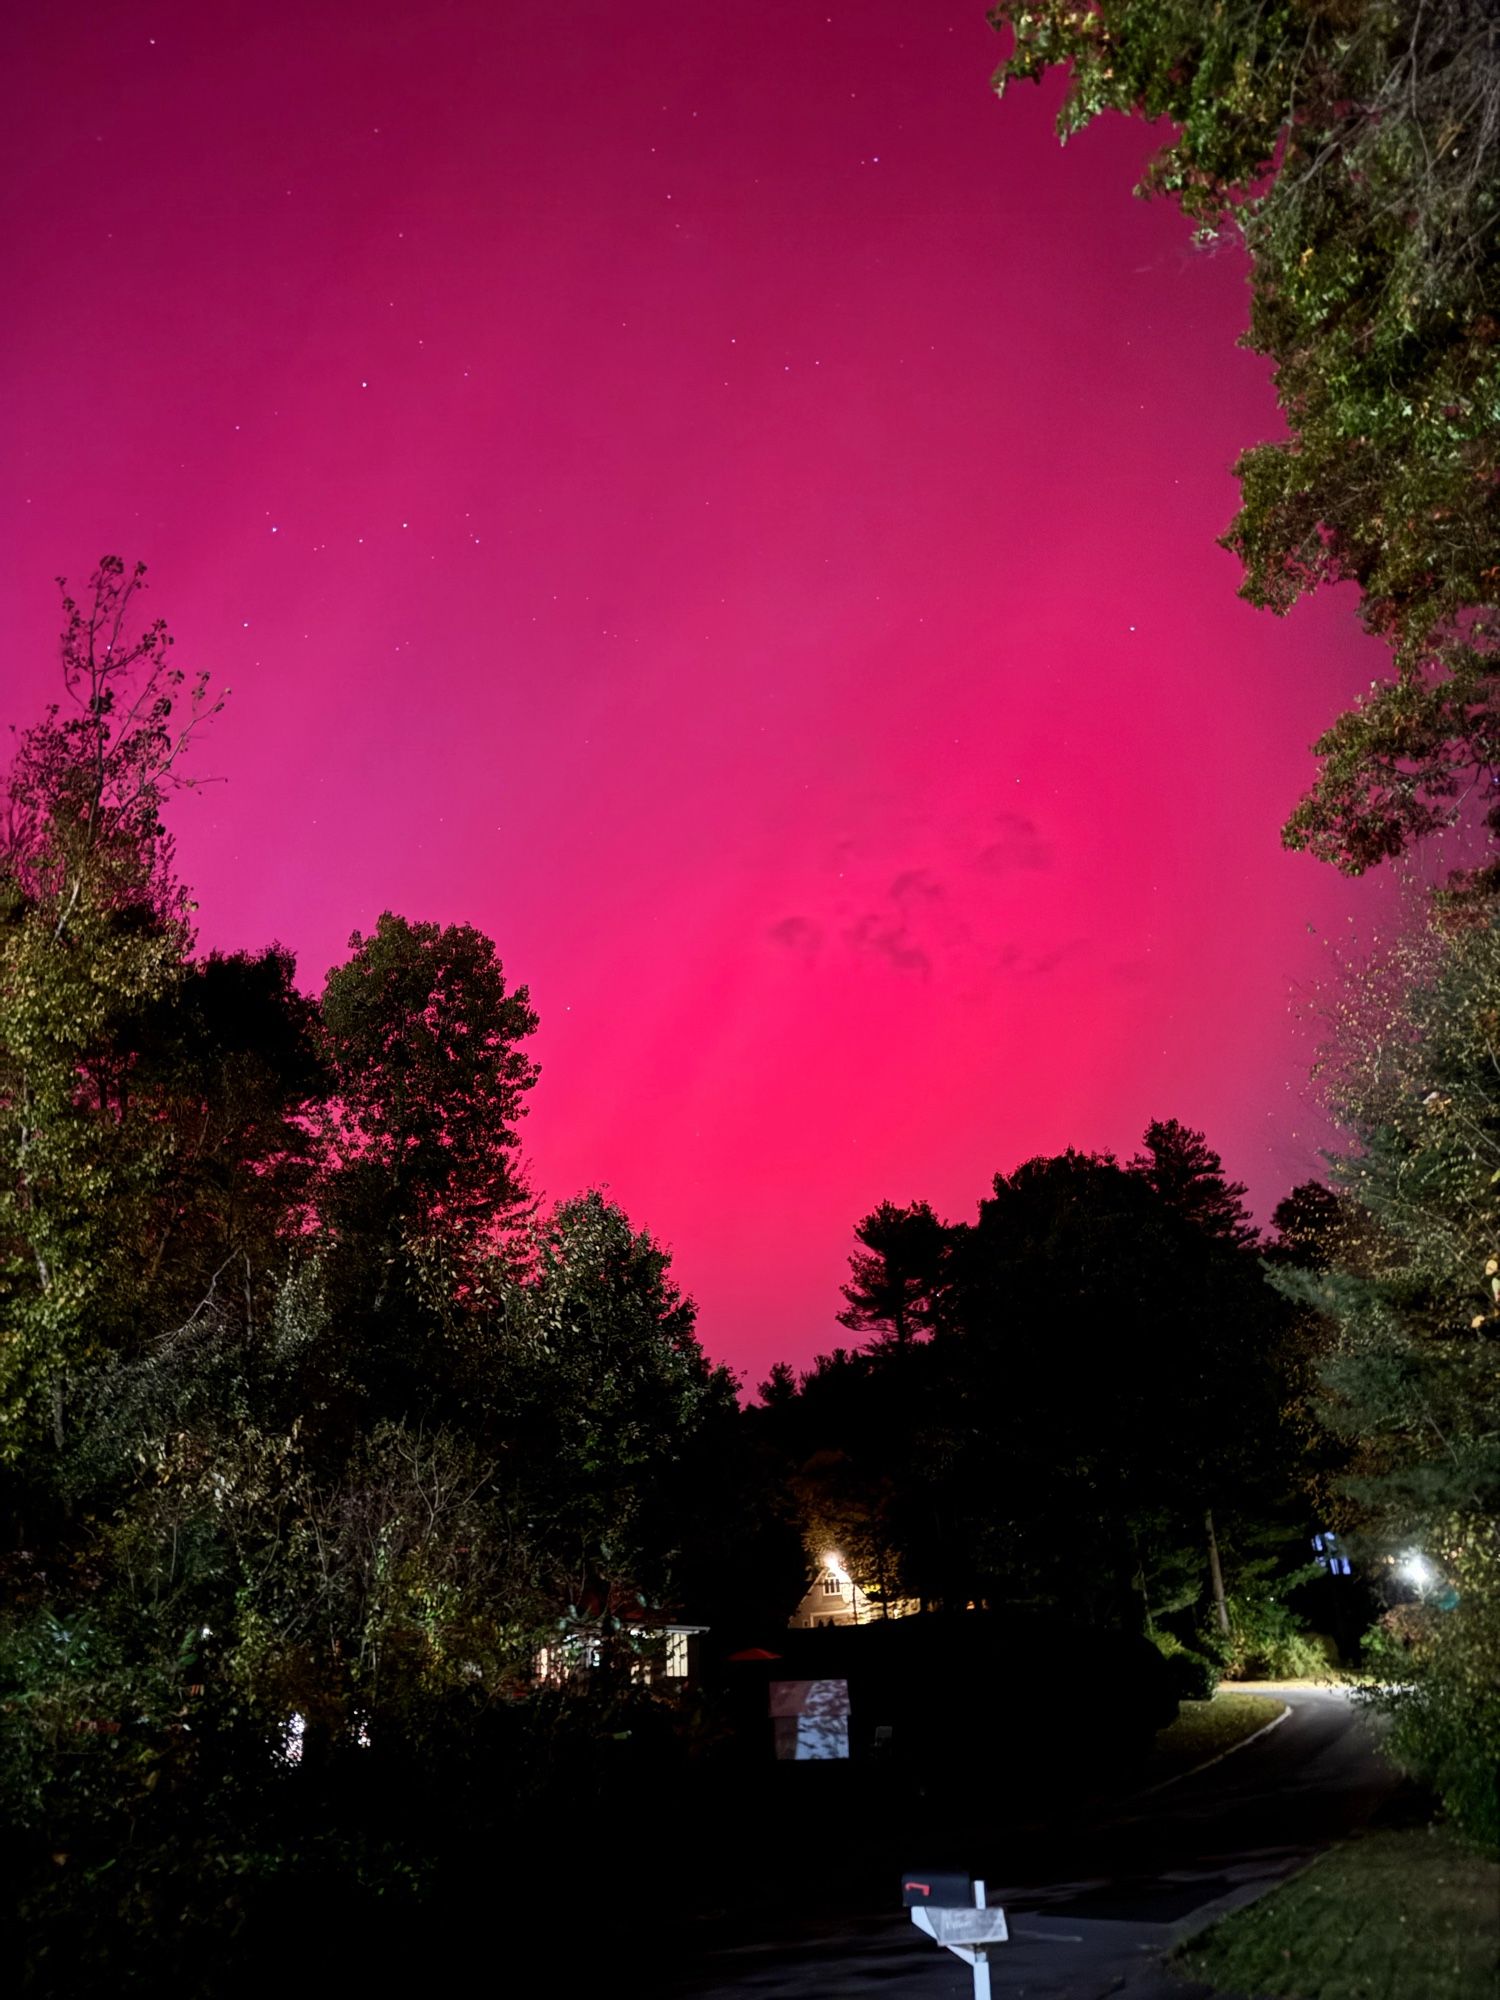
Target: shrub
[(1437, 1657), (1192, 1675), (1268, 1641)]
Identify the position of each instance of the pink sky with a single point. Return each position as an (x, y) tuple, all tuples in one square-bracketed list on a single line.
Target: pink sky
[(722, 504)]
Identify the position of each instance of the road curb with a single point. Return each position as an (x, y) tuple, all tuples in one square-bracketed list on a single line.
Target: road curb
[(1160, 1979), (1209, 1762)]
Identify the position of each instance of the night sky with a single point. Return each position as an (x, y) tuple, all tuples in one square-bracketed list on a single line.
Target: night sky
[(714, 499)]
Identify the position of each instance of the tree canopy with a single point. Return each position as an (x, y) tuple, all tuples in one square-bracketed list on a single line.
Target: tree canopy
[(318, 1430), (1053, 1399), (1401, 1264), (1353, 151)]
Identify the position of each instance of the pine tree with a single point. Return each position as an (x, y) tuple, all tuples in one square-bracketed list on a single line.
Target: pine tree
[(895, 1283), (1181, 1167)]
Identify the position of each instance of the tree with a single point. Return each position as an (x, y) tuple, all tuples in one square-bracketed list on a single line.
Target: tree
[(1104, 1369), (339, 1430), (1405, 1274), (1123, 1366), (1317, 1226), (1354, 152), (779, 1390), (94, 934), (849, 1440), (895, 1283), (229, 1061), (86, 788), (607, 1385), (422, 1040), (851, 1508), (1182, 1168)]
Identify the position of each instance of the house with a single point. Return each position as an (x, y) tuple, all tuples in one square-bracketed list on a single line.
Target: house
[(659, 1652), (832, 1598)]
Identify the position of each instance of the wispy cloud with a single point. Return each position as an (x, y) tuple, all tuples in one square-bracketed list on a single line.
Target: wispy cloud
[(917, 885), (930, 897), (1017, 843), (1019, 963), (889, 938), (796, 934), (1132, 971)]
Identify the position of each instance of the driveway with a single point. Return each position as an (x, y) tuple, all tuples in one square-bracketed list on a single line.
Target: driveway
[(1093, 1905)]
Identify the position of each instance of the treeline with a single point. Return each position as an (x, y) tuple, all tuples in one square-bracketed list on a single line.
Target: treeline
[(1350, 156), (314, 1427), (1087, 1402), (346, 1491), (1109, 1401)]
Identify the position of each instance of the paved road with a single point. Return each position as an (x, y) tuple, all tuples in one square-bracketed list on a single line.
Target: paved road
[(1092, 1907)]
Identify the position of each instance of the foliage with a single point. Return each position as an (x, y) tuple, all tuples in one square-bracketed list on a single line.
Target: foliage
[(1410, 1306), (849, 1507), (1194, 1675), (895, 1281), (1183, 1171), (421, 1039), (1441, 1689), (1354, 152), (1268, 1640), (1102, 1363), (609, 1385), (86, 787), (93, 933), (316, 1431)]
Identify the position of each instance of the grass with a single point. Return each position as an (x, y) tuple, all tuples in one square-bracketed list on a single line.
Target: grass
[(1408, 1915), (1205, 1729)]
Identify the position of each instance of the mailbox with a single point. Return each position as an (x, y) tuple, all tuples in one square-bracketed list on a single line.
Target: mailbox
[(954, 1911), (939, 1888)]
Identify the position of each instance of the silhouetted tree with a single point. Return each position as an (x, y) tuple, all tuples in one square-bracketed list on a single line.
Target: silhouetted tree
[(1182, 1168), (895, 1284), (1105, 1374)]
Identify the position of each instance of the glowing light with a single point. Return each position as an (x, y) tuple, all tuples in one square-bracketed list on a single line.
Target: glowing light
[(1418, 1570), (293, 1731)]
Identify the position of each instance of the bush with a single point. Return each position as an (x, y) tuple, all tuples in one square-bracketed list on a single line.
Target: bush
[(1269, 1641), (1450, 1739), (230, 1867), (1438, 1657), (1192, 1675)]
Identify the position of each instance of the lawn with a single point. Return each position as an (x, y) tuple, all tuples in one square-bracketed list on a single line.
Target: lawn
[(1408, 1915), (1205, 1729)]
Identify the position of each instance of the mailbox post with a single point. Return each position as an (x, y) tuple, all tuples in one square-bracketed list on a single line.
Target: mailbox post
[(952, 1910)]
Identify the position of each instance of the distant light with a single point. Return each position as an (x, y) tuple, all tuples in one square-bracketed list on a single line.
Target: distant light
[(293, 1730), (1418, 1570)]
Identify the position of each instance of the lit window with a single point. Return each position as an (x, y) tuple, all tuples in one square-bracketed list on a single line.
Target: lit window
[(676, 1664)]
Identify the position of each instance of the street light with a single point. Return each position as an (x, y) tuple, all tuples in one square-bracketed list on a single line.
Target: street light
[(834, 1564)]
